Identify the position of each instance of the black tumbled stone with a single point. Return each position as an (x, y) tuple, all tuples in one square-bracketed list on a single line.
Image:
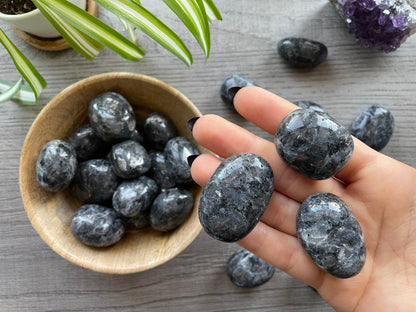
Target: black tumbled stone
[(313, 144), (302, 52), (310, 105), (236, 196), (158, 129), (159, 172), (86, 143), (176, 154), (97, 226), (247, 270), (170, 209), (230, 87), (331, 235), (56, 165), (112, 117), (374, 126)]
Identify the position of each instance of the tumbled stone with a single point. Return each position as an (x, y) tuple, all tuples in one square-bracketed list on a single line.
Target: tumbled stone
[(56, 165), (97, 226), (86, 143), (302, 52), (247, 270), (231, 85), (158, 129), (236, 196), (133, 198), (112, 117), (331, 235), (313, 144), (141, 221), (176, 153), (310, 105), (159, 172), (130, 159), (170, 209), (374, 126), (95, 181)]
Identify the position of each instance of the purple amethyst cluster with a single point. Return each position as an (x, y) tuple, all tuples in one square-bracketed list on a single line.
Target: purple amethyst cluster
[(378, 24)]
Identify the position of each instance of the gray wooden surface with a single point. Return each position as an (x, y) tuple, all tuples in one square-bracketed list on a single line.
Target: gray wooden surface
[(34, 278)]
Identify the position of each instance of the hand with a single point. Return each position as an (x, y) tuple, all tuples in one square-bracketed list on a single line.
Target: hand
[(380, 191)]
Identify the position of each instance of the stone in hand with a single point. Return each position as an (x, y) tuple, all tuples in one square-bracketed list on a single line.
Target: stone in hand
[(112, 117), (170, 209), (247, 270), (313, 144), (301, 52), (158, 129), (97, 226), (236, 196), (311, 105), (331, 235), (230, 87), (56, 165), (374, 126)]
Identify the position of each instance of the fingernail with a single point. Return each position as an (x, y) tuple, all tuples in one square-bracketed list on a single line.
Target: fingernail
[(191, 122), (191, 159)]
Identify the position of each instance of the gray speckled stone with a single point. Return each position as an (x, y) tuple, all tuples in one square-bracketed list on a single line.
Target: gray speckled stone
[(135, 197), (247, 270), (170, 209), (158, 129), (112, 117), (313, 144), (130, 159), (230, 87), (331, 235), (310, 105), (97, 226), (86, 143), (95, 181), (140, 222), (159, 172), (176, 153), (374, 126), (236, 196), (56, 165), (302, 52)]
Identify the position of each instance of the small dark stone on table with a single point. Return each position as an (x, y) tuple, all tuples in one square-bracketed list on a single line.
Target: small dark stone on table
[(230, 87), (56, 165), (331, 235), (236, 196), (247, 270), (97, 226), (302, 52), (158, 129), (86, 143)]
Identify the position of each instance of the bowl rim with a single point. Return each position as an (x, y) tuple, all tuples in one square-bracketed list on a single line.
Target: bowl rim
[(53, 104)]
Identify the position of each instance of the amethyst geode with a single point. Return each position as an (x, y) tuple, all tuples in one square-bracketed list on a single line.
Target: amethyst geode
[(379, 24)]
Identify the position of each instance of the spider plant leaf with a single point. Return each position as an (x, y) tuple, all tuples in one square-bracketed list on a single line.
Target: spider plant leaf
[(212, 11), (192, 14), (93, 27), (79, 41), (130, 29), (24, 94), (23, 65), (9, 93), (138, 16)]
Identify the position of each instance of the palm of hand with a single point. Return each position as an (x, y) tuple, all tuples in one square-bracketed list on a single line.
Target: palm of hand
[(380, 191)]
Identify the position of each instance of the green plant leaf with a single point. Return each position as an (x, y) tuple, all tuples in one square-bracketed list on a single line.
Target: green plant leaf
[(138, 16), (192, 14), (130, 29), (24, 94), (212, 11), (9, 93), (23, 65), (93, 27), (79, 41)]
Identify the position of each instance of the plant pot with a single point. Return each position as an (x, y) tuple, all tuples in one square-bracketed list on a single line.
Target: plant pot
[(35, 23)]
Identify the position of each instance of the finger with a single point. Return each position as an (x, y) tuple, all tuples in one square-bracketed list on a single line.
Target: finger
[(226, 139), (284, 252), (268, 110), (203, 167)]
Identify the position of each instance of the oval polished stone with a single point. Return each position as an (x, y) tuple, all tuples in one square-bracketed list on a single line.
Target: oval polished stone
[(313, 144), (374, 126), (158, 129), (331, 235), (56, 165), (159, 172), (230, 87), (236, 196), (247, 270), (97, 226), (86, 143), (302, 52)]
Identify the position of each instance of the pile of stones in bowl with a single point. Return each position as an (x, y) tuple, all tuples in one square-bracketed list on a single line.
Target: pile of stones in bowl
[(124, 173)]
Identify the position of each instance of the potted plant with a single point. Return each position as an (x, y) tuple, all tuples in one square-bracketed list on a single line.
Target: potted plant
[(88, 35)]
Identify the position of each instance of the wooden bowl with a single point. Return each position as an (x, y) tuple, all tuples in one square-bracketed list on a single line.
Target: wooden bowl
[(51, 213)]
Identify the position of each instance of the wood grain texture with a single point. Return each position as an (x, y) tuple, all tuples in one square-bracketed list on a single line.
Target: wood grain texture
[(35, 278)]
